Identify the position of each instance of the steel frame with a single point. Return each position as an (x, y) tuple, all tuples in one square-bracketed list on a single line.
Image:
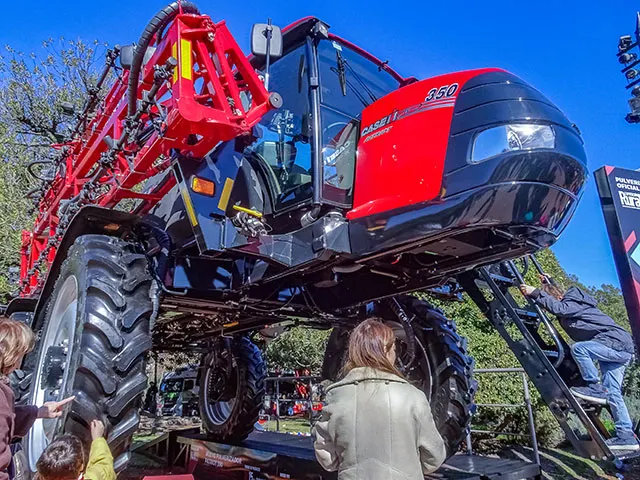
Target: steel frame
[(190, 98)]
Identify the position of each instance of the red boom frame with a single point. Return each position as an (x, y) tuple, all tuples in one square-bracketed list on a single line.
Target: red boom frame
[(197, 105)]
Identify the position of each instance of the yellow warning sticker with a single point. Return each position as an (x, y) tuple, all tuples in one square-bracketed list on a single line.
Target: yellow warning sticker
[(226, 193), (185, 59)]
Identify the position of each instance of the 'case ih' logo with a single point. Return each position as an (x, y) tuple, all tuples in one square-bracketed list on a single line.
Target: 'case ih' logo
[(437, 98)]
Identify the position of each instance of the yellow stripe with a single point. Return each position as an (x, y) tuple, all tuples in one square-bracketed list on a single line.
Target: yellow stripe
[(226, 193), (185, 58), (189, 206), (174, 54), (254, 213)]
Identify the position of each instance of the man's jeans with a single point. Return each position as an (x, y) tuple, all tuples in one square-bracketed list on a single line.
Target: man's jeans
[(612, 365)]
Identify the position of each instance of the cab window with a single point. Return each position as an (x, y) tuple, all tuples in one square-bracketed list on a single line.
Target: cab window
[(284, 143), (349, 83)]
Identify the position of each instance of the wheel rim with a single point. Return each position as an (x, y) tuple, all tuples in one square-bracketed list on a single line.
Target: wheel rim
[(58, 343), (220, 390)]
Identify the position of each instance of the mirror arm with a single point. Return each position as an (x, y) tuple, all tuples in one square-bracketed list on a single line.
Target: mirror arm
[(267, 32)]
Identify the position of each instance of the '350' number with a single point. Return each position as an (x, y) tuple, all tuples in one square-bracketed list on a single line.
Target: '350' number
[(442, 92)]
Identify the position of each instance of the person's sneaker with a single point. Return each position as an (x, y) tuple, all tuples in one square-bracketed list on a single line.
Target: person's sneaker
[(629, 445), (594, 393)]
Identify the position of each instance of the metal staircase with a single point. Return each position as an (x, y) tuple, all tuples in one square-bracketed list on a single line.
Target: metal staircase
[(542, 352)]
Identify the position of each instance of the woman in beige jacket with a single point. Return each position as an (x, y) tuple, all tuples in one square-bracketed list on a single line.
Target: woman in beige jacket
[(376, 426)]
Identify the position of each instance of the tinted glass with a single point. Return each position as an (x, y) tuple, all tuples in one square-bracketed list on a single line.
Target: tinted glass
[(363, 80), (349, 83), (284, 139)]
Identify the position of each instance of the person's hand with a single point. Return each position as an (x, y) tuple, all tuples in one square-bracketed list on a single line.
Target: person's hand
[(527, 289), (53, 409), (544, 278), (97, 429)]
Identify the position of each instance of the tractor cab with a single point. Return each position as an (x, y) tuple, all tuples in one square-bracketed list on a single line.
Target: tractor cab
[(300, 158), (303, 154), (310, 142)]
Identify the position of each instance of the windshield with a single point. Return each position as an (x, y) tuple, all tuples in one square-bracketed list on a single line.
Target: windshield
[(171, 386), (349, 83)]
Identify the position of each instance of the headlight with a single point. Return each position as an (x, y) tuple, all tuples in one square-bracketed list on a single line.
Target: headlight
[(509, 138)]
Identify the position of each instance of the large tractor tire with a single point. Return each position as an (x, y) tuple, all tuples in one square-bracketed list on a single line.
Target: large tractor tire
[(442, 367), (94, 336), (232, 388)]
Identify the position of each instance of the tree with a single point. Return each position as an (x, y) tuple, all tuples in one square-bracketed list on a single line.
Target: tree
[(33, 88), (298, 348), (489, 350)]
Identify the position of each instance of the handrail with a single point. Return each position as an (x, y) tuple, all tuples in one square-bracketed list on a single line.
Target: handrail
[(555, 336), (527, 404), (290, 378)]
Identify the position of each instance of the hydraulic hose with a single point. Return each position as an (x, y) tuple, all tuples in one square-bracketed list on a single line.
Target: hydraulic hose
[(158, 23), (405, 321)]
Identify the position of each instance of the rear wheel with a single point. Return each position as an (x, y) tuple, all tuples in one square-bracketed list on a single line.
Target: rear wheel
[(232, 388), (93, 341), (442, 369)]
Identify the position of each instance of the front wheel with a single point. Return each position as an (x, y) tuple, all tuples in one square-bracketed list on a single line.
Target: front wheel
[(231, 388), (442, 368), (94, 335)]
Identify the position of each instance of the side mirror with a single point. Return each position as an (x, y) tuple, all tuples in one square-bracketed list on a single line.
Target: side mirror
[(266, 39), (126, 56), (127, 53)]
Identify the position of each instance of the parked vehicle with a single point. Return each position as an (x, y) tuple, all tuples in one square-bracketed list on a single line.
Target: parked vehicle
[(179, 392)]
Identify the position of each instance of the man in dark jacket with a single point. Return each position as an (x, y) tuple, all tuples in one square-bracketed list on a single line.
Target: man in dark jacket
[(597, 338)]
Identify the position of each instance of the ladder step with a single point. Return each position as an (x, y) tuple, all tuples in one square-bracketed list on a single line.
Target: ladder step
[(502, 279), (525, 314), (551, 353), (623, 455)]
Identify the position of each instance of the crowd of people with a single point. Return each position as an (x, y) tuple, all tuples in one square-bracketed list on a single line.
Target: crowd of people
[(375, 424)]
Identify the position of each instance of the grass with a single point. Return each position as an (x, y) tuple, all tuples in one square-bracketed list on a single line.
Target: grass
[(289, 425)]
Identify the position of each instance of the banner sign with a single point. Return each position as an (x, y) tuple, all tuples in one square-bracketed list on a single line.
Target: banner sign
[(619, 191)]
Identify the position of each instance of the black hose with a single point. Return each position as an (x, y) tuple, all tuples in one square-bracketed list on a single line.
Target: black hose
[(405, 321), (157, 23), (162, 259), (33, 163)]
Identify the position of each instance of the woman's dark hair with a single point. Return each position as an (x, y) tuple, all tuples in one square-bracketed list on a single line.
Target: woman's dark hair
[(63, 459), (369, 344)]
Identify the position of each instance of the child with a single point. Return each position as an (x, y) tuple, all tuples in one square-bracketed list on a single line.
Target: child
[(63, 459), (16, 340)]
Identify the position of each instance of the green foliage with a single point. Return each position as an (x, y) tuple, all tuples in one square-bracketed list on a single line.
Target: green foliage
[(32, 89), (490, 350), (297, 348)]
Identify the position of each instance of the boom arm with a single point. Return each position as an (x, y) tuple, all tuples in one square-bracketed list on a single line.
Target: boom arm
[(188, 98)]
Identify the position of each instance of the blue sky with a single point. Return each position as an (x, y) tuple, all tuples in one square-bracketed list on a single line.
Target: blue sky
[(566, 49)]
